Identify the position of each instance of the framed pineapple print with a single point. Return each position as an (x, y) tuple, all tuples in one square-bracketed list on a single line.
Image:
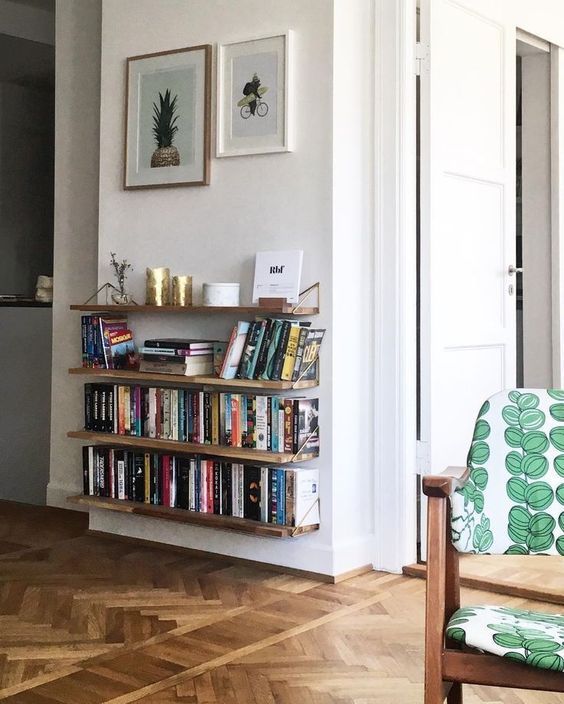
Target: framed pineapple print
[(167, 135), (253, 101)]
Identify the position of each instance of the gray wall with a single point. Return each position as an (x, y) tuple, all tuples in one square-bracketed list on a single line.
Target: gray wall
[(26, 186), (26, 247), (25, 393), (77, 117), (537, 222)]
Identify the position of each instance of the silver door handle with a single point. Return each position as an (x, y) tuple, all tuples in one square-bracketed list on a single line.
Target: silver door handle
[(514, 270)]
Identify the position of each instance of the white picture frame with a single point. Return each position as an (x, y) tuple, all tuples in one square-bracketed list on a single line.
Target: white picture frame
[(242, 128)]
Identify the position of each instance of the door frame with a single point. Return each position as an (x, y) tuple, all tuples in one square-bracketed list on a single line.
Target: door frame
[(395, 290), (557, 214), (555, 56)]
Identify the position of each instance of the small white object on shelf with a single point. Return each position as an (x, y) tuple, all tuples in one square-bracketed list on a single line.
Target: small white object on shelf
[(278, 275), (44, 289), (221, 294)]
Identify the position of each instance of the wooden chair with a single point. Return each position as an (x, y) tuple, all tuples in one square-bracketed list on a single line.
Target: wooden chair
[(508, 500)]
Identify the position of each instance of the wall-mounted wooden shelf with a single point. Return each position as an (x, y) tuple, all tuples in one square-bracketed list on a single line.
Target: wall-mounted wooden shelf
[(285, 309), (126, 375), (19, 303), (242, 453), (208, 520)]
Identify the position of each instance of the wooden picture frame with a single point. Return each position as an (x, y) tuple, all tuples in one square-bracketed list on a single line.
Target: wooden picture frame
[(168, 119), (264, 129)]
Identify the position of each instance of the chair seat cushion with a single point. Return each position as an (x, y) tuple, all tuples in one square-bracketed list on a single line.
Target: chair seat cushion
[(529, 637)]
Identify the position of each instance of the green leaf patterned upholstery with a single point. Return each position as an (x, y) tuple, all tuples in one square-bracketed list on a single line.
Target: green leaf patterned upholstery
[(513, 505), (514, 501), (528, 637)]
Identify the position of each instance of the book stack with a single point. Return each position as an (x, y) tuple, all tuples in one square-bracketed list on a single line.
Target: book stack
[(181, 356), (272, 349), (270, 423), (107, 342), (283, 496)]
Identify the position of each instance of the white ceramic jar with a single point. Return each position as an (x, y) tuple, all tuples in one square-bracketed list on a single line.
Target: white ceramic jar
[(220, 294)]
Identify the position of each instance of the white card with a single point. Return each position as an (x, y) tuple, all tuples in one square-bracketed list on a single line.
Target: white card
[(278, 275)]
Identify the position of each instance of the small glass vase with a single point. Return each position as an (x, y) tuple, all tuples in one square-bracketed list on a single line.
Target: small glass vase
[(121, 299)]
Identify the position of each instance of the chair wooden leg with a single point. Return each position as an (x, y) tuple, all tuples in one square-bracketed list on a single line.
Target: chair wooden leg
[(434, 691), (455, 694), (452, 602), (435, 601)]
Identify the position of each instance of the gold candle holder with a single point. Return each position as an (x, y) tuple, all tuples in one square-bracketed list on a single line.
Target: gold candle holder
[(181, 290), (158, 287)]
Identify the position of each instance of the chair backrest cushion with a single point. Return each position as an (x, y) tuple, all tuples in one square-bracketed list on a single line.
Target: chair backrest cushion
[(514, 501)]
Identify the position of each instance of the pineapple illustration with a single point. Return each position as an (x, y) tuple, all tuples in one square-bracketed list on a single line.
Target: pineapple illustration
[(164, 131)]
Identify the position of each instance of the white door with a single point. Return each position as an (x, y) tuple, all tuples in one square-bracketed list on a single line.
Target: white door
[(468, 344)]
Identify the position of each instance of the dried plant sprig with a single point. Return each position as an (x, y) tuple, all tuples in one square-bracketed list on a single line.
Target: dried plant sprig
[(120, 268)]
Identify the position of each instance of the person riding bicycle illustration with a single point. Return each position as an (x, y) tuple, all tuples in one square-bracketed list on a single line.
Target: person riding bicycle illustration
[(252, 103), (252, 88)]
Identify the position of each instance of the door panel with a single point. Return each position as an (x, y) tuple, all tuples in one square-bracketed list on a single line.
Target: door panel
[(468, 73), (467, 243), (467, 219), (463, 397)]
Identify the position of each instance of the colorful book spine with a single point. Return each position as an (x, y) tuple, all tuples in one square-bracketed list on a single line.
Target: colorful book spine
[(273, 495), (266, 423), (280, 497), (290, 354)]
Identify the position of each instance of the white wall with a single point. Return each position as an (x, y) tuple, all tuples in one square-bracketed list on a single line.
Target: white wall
[(272, 200), (543, 18), (77, 122), (316, 198), (305, 195)]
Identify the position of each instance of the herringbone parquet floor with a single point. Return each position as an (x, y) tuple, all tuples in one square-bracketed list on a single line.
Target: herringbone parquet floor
[(86, 620)]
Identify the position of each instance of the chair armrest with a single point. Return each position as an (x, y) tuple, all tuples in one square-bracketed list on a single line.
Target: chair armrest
[(445, 484)]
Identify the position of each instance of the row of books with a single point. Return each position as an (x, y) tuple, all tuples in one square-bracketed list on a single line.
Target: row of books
[(272, 349), (268, 349), (107, 342), (284, 496), (270, 423)]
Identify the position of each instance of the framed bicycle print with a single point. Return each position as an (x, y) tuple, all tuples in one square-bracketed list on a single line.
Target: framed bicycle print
[(167, 136), (253, 101)]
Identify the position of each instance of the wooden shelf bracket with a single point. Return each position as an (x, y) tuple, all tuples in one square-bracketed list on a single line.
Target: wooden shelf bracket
[(297, 529), (305, 294)]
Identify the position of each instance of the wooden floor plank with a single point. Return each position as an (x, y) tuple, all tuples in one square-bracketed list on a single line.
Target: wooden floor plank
[(530, 576), (91, 621)]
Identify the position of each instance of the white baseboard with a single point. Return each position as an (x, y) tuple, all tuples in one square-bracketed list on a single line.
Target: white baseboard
[(308, 552), (348, 555), (57, 496)]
